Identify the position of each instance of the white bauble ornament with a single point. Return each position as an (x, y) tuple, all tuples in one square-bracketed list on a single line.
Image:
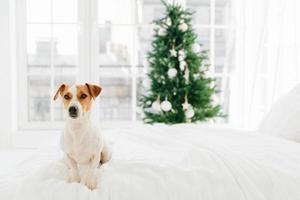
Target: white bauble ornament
[(156, 105), (190, 112), (161, 32), (168, 22), (166, 105), (173, 52), (172, 72), (185, 105), (181, 53), (183, 27), (181, 58), (196, 47), (181, 21), (182, 65)]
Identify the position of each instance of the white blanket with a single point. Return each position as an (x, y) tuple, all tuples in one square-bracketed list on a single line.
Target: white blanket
[(180, 162)]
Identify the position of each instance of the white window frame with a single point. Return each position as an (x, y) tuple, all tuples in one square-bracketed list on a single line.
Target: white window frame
[(87, 59), (82, 73)]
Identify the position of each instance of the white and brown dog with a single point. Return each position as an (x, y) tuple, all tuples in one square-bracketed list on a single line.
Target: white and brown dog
[(82, 143)]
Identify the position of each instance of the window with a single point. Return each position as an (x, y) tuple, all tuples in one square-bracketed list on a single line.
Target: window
[(104, 42)]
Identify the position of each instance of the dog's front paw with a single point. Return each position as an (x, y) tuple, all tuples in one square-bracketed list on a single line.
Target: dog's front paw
[(74, 178), (91, 183)]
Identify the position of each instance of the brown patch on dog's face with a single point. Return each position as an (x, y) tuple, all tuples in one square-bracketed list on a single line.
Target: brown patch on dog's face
[(62, 88), (84, 97), (66, 98), (94, 90), (77, 100)]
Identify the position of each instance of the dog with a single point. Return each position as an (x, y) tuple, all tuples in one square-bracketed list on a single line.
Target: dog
[(84, 147)]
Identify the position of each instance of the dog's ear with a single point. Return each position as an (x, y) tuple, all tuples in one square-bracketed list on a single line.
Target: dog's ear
[(60, 91), (94, 90)]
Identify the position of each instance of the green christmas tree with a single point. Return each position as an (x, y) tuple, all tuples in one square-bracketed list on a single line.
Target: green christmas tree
[(180, 91)]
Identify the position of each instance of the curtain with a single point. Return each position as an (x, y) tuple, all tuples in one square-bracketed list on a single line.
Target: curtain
[(267, 64)]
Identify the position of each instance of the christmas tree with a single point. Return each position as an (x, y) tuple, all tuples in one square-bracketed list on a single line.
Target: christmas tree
[(180, 90)]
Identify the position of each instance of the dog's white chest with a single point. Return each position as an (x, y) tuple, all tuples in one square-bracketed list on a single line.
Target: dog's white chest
[(81, 152)]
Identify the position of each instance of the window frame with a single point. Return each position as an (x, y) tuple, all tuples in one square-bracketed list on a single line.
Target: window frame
[(87, 66)]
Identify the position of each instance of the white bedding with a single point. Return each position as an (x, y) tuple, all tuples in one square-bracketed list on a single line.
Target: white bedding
[(170, 162)]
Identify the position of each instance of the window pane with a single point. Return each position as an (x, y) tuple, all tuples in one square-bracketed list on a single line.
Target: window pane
[(38, 11), (201, 9), (65, 47), (222, 11), (221, 51), (116, 11), (149, 10), (39, 98), (115, 70), (204, 38), (143, 86), (38, 47), (145, 37), (65, 11), (116, 44), (58, 106), (222, 97), (115, 101)]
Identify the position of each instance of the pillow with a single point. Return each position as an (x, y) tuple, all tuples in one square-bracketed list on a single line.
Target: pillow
[(283, 120)]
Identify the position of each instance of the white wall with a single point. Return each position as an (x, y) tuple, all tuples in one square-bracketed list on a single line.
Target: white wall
[(6, 67)]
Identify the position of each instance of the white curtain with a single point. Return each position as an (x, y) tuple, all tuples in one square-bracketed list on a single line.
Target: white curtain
[(267, 66)]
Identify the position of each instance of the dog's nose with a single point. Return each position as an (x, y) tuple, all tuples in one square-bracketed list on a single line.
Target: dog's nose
[(73, 111)]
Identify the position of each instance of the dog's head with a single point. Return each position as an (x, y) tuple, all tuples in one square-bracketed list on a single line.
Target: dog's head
[(77, 99)]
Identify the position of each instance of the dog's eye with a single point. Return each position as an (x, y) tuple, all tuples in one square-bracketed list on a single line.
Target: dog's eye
[(67, 97), (83, 96)]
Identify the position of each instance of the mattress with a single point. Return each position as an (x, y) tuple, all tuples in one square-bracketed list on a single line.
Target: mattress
[(166, 162)]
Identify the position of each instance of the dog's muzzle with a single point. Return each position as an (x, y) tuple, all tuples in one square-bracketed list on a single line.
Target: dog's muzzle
[(73, 111)]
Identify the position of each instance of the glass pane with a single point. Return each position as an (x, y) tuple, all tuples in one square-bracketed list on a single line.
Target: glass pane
[(115, 101), (222, 97), (149, 10), (204, 38), (222, 11), (39, 98), (221, 50), (116, 44), (115, 70), (143, 86), (59, 11), (145, 37), (65, 47), (201, 9), (38, 47), (116, 11), (58, 106), (38, 11)]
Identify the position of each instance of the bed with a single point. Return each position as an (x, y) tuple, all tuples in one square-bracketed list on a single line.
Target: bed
[(165, 162)]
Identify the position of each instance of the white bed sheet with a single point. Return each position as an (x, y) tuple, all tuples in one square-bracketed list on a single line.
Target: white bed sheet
[(170, 162), (16, 165)]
